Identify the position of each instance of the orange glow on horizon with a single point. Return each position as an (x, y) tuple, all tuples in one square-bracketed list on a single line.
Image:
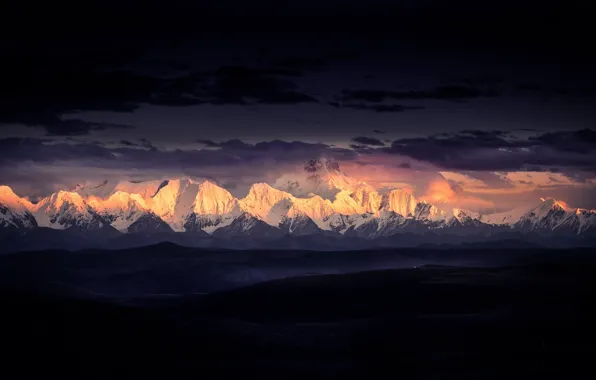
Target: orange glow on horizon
[(563, 203), (439, 191)]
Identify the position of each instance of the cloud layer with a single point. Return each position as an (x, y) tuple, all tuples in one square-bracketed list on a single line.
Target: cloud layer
[(479, 170)]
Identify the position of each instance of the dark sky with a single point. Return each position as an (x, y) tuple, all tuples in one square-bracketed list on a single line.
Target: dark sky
[(238, 91)]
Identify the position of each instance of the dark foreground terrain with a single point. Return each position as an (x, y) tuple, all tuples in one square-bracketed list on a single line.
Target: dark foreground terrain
[(528, 314)]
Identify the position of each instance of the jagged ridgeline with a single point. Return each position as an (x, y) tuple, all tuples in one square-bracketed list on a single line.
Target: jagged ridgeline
[(319, 199)]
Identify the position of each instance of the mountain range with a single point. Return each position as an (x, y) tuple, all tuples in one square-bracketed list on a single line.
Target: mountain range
[(318, 203)]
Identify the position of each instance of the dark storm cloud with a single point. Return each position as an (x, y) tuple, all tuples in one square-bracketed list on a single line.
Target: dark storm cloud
[(440, 92), (573, 141), (15, 150), (481, 80), (381, 108), (38, 165), (143, 143), (147, 144), (39, 89), (274, 147), (368, 141), (484, 134), (241, 85), (208, 143), (497, 150), (74, 127), (175, 100), (492, 180), (545, 90), (358, 147), (231, 152), (316, 62), (379, 131)]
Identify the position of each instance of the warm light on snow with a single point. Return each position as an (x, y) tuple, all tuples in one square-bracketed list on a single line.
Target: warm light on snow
[(320, 193)]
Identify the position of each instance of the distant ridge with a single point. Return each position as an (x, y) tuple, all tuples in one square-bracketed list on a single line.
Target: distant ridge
[(335, 210)]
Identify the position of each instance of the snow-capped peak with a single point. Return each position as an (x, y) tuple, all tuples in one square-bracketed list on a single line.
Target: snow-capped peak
[(129, 213), (544, 209), (547, 215), (213, 200), (66, 209), (203, 206), (347, 203), (9, 199), (14, 211), (175, 198), (315, 208), (401, 202), (120, 200), (265, 193), (507, 218), (101, 189), (322, 165), (428, 212), (319, 176), (61, 199), (106, 188), (465, 217), (145, 189), (267, 203)]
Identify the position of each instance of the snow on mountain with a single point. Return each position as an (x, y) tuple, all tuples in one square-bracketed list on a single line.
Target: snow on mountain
[(321, 176), (188, 205), (346, 204), (367, 197), (387, 222), (247, 225), (175, 201), (181, 203), (128, 213), (579, 221), (586, 220), (14, 211), (400, 202), (213, 200), (315, 207), (574, 221), (299, 225), (318, 199), (427, 212), (340, 222), (363, 199), (401, 213), (102, 189), (66, 210), (105, 189), (207, 223), (547, 215), (508, 218), (463, 218), (553, 216), (382, 223), (146, 189), (277, 207), (267, 203), (214, 207)]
